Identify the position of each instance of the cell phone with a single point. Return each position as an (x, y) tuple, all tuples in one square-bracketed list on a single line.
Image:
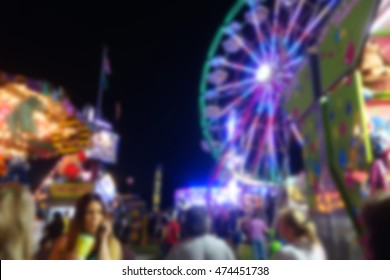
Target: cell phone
[(102, 228)]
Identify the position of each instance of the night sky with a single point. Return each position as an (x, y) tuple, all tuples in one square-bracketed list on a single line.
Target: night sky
[(157, 50)]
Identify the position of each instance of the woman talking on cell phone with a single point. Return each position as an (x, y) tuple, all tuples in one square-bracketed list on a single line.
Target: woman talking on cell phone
[(90, 236)]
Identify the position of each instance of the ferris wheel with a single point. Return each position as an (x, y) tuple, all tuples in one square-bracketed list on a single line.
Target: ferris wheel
[(250, 68)]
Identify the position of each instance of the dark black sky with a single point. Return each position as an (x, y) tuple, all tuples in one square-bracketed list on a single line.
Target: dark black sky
[(157, 49)]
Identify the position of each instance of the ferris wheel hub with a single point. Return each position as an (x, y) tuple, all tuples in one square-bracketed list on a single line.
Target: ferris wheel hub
[(263, 73)]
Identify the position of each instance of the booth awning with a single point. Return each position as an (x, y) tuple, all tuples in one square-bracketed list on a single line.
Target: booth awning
[(38, 120)]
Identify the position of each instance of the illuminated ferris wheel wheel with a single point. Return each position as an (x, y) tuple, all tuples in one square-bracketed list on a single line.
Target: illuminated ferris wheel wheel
[(249, 71)]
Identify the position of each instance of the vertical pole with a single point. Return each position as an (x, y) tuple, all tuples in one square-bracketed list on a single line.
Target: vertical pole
[(278, 203), (98, 113), (314, 63), (100, 92), (157, 189)]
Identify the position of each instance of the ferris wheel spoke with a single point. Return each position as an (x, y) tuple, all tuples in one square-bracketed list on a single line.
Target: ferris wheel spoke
[(240, 127), (237, 101), (271, 155), (263, 139), (294, 19), (251, 134), (280, 142), (268, 43), (261, 153), (213, 93), (241, 41), (314, 23), (256, 23), (293, 63), (244, 121), (267, 140), (286, 77), (275, 27), (263, 49), (240, 67)]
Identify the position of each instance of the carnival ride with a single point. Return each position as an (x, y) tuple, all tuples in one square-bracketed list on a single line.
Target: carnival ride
[(314, 70), (249, 68), (344, 121), (38, 120), (351, 99)]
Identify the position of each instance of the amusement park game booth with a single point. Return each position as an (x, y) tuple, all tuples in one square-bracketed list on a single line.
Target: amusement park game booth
[(341, 103), (38, 121)]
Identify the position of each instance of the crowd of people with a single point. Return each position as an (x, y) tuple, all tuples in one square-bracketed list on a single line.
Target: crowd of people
[(222, 236), (193, 234)]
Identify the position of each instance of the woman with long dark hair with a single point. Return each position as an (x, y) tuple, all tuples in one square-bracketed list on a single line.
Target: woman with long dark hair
[(90, 235)]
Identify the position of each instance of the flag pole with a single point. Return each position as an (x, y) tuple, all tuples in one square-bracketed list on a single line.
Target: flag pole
[(100, 93), (98, 113)]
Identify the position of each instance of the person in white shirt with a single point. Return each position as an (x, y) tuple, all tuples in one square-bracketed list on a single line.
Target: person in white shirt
[(199, 244), (300, 234), (38, 231)]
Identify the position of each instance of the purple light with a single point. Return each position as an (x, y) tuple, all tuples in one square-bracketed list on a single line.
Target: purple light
[(103, 124), (231, 125), (192, 196)]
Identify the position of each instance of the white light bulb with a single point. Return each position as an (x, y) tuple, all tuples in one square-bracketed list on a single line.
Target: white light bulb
[(264, 72)]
